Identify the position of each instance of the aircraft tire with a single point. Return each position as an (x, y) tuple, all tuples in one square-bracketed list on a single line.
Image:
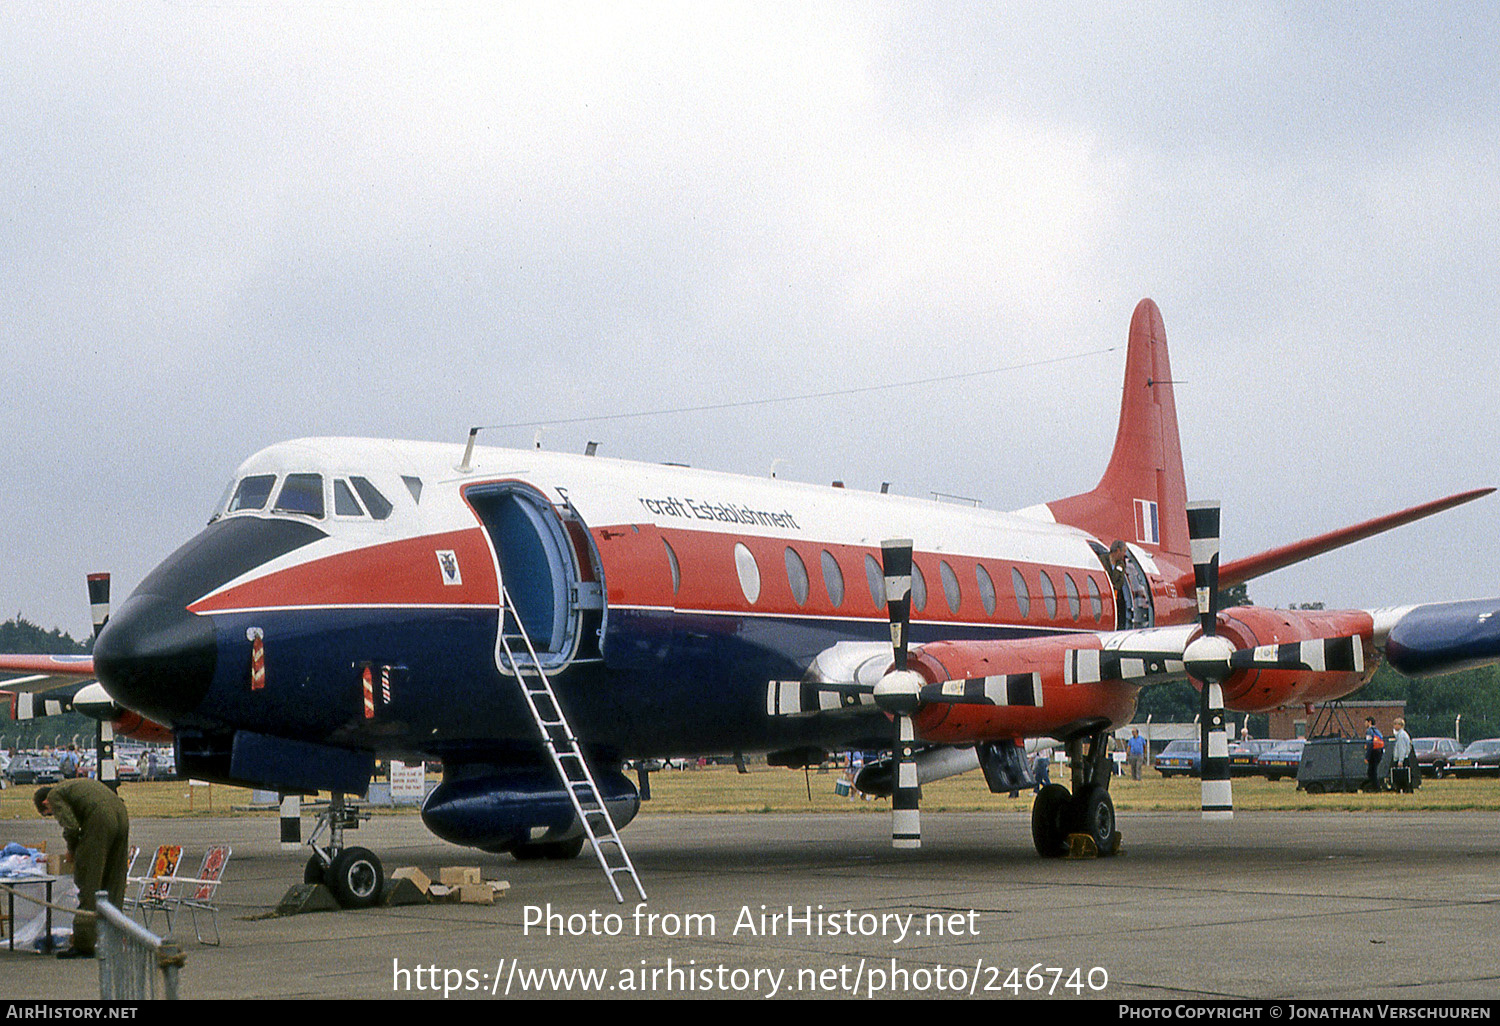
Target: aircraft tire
[(555, 850), (562, 850), (355, 878), (1093, 813), (1051, 813), (313, 872)]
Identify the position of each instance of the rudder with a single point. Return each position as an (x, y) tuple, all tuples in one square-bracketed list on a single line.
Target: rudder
[(1142, 497)]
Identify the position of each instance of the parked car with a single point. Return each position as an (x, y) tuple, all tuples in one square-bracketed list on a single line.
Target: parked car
[(1481, 758), (1435, 753), (1180, 758), (1244, 756), (33, 769), (1282, 759)]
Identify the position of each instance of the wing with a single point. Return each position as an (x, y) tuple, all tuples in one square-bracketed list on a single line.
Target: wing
[(44, 672)]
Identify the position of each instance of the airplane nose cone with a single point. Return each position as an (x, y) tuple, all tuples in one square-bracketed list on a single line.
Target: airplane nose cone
[(156, 658)]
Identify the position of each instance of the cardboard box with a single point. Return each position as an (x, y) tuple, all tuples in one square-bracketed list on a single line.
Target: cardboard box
[(422, 881), (443, 894), (457, 876), (476, 894)]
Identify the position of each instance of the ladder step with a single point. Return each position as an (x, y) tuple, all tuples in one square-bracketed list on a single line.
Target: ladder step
[(558, 738)]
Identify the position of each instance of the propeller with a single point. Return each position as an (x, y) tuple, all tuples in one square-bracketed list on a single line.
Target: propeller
[(899, 693), (1208, 659), (104, 736)]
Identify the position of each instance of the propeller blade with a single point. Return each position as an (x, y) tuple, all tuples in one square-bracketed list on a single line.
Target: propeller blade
[(906, 817), (1217, 791), (899, 693), (1208, 659), (104, 735), (896, 560), (99, 600), (1203, 539)]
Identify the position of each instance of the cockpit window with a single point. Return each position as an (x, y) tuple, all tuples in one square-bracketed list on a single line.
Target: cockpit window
[(413, 485), (378, 505), (302, 493), (344, 502), (252, 493)]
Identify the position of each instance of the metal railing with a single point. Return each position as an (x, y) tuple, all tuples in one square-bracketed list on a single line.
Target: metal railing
[(132, 958)]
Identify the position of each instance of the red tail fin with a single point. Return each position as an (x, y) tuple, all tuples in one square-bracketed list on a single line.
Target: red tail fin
[(1142, 497)]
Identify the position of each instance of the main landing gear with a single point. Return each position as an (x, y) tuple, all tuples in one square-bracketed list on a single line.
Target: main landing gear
[(354, 875), (1087, 809)]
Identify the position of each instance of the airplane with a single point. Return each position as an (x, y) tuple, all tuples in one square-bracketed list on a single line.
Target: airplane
[(535, 619)]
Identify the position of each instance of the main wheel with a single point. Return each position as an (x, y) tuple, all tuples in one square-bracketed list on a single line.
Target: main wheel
[(355, 877), (1094, 814), (314, 871), (555, 850), (1050, 815)]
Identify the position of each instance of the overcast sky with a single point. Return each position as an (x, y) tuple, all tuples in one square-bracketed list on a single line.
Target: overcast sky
[(229, 224)]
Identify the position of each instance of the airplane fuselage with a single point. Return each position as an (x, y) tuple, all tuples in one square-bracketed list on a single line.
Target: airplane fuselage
[(662, 600)]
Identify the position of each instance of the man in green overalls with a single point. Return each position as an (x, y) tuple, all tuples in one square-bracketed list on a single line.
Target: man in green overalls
[(97, 829)]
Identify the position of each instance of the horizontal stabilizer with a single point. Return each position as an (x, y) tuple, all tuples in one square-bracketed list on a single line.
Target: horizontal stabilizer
[(1242, 570), (1445, 637)]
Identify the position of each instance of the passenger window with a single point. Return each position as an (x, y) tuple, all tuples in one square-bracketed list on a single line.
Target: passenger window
[(252, 493), (749, 571), (918, 589), (1049, 595), (796, 575), (1075, 604), (1023, 593), (672, 563), (875, 577), (1096, 600), (986, 589), (833, 579), (950, 585), (344, 502), (378, 505), (302, 493)]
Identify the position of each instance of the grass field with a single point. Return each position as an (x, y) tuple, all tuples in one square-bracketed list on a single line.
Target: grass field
[(763, 790)]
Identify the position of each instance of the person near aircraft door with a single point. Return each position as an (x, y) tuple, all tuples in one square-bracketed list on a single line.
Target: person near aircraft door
[(96, 828), (1374, 750)]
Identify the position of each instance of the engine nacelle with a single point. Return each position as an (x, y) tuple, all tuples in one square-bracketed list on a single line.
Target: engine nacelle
[(1331, 638), (1021, 688), (496, 808)]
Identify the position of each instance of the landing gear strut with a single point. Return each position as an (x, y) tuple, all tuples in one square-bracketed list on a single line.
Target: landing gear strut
[(354, 875), (1057, 813)]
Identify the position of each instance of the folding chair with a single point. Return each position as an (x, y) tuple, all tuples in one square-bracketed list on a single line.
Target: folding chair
[(215, 860), (155, 892)]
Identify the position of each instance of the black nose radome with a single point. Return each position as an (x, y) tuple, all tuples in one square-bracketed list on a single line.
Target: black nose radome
[(156, 657)]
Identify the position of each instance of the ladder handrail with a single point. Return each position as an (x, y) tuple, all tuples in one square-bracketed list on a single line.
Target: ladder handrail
[(574, 752)]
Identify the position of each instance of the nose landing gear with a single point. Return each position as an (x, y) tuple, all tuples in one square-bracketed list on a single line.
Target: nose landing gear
[(354, 875)]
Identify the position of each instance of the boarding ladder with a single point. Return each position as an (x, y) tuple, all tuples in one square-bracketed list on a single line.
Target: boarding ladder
[(567, 757)]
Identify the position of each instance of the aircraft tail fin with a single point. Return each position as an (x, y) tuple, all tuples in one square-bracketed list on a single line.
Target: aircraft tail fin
[(1142, 497)]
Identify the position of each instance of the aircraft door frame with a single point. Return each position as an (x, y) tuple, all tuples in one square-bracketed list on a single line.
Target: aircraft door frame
[(535, 560)]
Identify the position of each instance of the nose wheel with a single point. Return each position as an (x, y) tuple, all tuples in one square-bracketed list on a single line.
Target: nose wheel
[(354, 875)]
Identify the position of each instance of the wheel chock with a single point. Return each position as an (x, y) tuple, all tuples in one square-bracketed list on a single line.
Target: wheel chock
[(307, 898), (1081, 846)]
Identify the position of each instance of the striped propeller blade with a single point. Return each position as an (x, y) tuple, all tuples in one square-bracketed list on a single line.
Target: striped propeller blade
[(906, 817), (104, 732), (1218, 791), (1209, 661), (899, 694), (896, 561), (1203, 539)]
